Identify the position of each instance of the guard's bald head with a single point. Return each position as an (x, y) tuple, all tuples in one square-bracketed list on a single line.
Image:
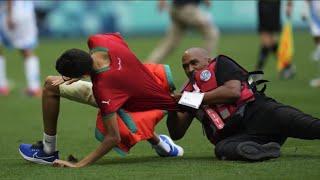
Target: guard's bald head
[(195, 58), (196, 52)]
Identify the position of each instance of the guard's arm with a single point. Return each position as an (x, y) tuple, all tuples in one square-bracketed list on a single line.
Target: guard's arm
[(229, 92), (178, 123)]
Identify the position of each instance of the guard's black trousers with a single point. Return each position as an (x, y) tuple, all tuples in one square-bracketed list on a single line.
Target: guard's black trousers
[(264, 121)]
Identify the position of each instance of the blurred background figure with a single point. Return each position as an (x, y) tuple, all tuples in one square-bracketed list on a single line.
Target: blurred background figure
[(269, 25), (185, 14), (313, 9), (18, 30)]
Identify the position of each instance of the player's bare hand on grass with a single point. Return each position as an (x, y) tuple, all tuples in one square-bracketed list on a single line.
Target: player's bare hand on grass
[(62, 163), (72, 162)]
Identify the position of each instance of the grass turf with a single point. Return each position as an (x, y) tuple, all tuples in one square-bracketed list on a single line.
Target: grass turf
[(21, 122)]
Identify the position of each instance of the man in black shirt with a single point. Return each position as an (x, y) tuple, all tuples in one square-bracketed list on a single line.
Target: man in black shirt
[(258, 128), (269, 25)]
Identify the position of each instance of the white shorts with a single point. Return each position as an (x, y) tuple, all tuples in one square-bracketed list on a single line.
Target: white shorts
[(24, 35), (80, 91)]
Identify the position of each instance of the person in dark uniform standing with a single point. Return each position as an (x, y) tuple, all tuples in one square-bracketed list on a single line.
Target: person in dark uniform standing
[(185, 14), (269, 25), (254, 125)]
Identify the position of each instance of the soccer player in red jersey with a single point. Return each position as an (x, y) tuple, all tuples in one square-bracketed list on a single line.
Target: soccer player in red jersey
[(120, 84), (127, 81)]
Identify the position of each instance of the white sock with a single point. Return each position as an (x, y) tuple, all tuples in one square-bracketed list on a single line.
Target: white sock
[(32, 72), (3, 77), (162, 146), (49, 143)]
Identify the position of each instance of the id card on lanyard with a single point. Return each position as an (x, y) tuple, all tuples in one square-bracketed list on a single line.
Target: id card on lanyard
[(214, 117)]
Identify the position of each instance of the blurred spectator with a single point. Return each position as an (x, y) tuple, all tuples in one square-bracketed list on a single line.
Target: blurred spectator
[(42, 9), (185, 14), (18, 30), (313, 7), (269, 25)]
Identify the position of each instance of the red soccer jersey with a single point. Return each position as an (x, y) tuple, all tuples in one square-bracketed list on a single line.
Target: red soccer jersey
[(126, 83)]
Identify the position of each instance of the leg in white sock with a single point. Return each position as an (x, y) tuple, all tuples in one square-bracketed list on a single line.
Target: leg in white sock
[(49, 143), (162, 146), (159, 145), (32, 72), (165, 147), (3, 77)]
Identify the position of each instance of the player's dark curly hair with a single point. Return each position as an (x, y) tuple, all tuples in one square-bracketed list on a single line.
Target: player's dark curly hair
[(74, 63)]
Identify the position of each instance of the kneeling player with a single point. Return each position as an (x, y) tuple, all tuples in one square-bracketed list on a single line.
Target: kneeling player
[(133, 126)]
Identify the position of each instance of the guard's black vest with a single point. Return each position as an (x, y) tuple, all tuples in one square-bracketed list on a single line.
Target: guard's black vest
[(217, 115)]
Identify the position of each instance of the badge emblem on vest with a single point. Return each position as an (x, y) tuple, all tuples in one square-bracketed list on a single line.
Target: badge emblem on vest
[(205, 75)]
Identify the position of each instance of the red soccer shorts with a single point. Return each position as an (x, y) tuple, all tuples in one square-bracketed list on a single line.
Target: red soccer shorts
[(138, 126)]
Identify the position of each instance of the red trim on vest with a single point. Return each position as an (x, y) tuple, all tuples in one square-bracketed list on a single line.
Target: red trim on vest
[(206, 81)]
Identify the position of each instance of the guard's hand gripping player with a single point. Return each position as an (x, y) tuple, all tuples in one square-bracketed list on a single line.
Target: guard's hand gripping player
[(252, 126), (120, 83)]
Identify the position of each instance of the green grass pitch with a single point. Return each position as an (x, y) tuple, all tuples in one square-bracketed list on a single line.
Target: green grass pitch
[(21, 122)]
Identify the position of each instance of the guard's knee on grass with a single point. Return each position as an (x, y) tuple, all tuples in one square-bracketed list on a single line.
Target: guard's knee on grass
[(226, 150), (247, 150)]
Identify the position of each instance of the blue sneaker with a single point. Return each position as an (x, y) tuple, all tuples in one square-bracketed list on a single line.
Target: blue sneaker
[(35, 153), (175, 150)]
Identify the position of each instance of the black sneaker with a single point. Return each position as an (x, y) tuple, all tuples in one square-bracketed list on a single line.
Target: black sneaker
[(253, 151)]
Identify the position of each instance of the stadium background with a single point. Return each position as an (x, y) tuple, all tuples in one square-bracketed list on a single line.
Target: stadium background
[(77, 18), (63, 27)]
